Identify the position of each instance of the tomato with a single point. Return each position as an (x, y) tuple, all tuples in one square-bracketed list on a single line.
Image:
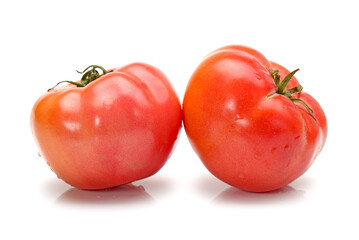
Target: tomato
[(109, 129), (251, 127)]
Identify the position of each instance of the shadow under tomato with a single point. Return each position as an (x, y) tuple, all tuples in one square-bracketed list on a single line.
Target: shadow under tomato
[(121, 195), (283, 195), (222, 193)]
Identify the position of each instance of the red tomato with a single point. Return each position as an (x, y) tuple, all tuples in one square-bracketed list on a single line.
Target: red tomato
[(119, 128), (250, 129)]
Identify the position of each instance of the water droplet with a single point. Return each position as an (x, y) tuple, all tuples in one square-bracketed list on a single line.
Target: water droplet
[(239, 117), (284, 107), (259, 108), (259, 77), (297, 137)]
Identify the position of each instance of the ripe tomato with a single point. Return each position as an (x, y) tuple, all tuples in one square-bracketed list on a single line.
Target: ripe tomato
[(251, 127), (119, 128)]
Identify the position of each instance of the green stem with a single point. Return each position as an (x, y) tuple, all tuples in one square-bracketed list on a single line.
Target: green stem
[(275, 75), (310, 111), (296, 89), (280, 89), (93, 67), (89, 74), (75, 83), (285, 81)]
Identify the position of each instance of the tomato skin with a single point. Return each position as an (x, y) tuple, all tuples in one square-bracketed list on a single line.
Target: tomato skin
[(245, 138), (120, 128)]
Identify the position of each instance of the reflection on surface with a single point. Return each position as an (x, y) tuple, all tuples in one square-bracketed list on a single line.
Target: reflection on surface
[(52, 188), (125, 194), (213, 188), (209, 186), (282, 195)]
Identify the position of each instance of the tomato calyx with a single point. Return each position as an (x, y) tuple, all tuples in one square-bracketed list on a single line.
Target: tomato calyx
[(89, 74), (281, 89)]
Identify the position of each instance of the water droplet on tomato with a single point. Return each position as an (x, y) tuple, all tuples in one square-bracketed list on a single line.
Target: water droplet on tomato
[(297, 137), (259, 108), (284, 107), (239, 117), (273, 149), (259, 77)]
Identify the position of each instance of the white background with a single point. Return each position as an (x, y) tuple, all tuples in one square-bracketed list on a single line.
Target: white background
[(44, 42)]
